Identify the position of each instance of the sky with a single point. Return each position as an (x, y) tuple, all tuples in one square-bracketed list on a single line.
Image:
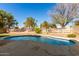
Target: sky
[(39, 11)]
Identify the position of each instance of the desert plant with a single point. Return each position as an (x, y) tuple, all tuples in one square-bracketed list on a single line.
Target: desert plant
[(38, 30), (71, 35)]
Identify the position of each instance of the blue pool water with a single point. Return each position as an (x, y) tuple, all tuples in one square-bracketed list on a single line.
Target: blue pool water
[(47, 40)]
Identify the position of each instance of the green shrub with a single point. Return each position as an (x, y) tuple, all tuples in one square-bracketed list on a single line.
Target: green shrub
[(38, 30), (71, 35)]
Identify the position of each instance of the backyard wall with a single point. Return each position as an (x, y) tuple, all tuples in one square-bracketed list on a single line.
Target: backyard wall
[(76, 29)]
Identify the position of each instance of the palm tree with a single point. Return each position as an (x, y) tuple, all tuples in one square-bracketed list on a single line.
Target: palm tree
[(30, 23), (45, 25)]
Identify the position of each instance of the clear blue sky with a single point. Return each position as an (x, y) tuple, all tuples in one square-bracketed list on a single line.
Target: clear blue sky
[(21, 11)]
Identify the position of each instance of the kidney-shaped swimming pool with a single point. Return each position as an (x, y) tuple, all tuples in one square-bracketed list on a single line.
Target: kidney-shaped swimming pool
[(47, 40)]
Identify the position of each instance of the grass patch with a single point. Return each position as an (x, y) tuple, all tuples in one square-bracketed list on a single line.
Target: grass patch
[(4, 35), (71, 35)]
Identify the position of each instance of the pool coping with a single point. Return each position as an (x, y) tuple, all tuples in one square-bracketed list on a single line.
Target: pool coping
[(50, 36), (58, 37), (64, 38)]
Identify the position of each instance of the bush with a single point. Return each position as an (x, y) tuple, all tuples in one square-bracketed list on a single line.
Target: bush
[(38, 30), (22, 29), (71, 35)]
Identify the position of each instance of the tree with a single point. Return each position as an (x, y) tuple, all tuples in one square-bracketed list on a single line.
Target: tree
[(9, 21), (16, 23), (6, 20), (77, 23), (30, 23), (45, 25), (1, 25), (52, 25), (2, 17), (63, 14)]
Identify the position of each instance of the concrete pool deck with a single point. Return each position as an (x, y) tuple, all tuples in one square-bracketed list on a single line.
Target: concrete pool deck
[(30, 48)]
